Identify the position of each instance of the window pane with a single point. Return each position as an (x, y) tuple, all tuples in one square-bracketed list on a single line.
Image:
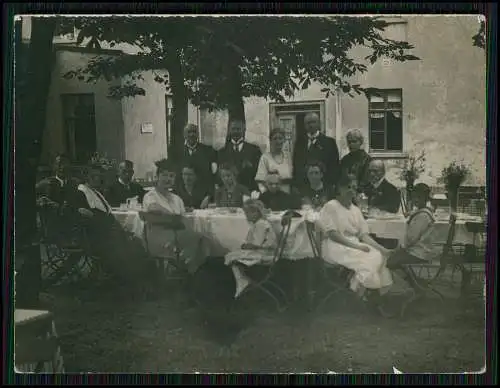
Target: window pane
[(377, 105), (394, 96), (377, 141), (393, 105), (377, 122), (377, 131), (394, 132), (376, 115), (376, 98)]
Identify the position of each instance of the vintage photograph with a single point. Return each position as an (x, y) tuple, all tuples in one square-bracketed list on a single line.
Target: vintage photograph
[(250, 194)]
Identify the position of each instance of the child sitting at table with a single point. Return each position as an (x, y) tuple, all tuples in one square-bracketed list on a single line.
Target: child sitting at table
[(258, 246), (418, 243)]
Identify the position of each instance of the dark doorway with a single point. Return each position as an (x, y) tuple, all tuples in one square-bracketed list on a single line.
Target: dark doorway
[(79, 126)]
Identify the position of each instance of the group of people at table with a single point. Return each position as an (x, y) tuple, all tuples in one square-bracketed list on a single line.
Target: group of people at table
[(240, 176)]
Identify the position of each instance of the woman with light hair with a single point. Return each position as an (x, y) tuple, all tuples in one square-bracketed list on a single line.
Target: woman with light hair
[(257, 247), (357, 160), (277, 160)]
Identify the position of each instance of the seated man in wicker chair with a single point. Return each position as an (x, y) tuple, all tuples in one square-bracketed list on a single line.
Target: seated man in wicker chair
[(121, 251), (74, 208)]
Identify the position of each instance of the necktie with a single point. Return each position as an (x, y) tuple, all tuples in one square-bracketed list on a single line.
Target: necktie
[(191, 150), (236, 145), (311, 141)]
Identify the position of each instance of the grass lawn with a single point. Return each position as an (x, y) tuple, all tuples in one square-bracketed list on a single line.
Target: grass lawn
[(111, 331)]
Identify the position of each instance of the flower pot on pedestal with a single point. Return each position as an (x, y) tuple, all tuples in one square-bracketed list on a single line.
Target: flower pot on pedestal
[(452, 195), (409, 190)]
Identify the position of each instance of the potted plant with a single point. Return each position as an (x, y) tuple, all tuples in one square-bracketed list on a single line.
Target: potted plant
[(411, 170), (453, 176), (110, 167)]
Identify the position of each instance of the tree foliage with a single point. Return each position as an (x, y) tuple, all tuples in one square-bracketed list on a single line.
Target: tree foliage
[(275, 56), (479, 40)]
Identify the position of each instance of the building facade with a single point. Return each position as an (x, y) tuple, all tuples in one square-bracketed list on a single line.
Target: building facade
[(436, 104)]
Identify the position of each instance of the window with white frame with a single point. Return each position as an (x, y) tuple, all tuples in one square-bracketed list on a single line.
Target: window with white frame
[(385, 115)]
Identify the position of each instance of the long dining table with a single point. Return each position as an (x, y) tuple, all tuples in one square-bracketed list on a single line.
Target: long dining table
[(229, 227)]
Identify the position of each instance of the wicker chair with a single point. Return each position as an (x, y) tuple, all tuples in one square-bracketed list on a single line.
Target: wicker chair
[(68, 256)]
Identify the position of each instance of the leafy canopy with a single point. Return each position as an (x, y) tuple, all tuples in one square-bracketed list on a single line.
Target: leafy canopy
[(479, 40), (275, 56)]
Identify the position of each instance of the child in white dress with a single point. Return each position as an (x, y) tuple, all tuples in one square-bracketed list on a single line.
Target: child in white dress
[(258, 246)]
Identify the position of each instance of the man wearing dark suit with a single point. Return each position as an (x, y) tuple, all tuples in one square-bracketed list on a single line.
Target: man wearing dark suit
[(198, 155), (318, 147), (243, 155), (58, 200), (124, 188), (381, 194)]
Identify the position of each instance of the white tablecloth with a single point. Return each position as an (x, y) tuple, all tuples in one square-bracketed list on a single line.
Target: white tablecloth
[(229, 230)]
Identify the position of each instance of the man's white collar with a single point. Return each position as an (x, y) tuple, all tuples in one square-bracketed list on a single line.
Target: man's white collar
[(189, 145), (314, 136), (122, 182), (376, 185)]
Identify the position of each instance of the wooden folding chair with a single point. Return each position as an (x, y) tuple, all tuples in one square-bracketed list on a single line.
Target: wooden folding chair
[(424, 287), (265, 283), (335, 276)]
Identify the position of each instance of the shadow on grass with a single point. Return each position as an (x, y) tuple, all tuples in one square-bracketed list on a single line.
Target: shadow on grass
[(104, 329)]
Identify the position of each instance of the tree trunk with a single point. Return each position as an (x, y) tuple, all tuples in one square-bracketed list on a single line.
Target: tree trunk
[(235, 104), (179, 105), (32, 80)]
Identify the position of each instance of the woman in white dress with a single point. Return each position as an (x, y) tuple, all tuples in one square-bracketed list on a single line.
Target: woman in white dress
[(347, 242), (277, 160), (161, 200)]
